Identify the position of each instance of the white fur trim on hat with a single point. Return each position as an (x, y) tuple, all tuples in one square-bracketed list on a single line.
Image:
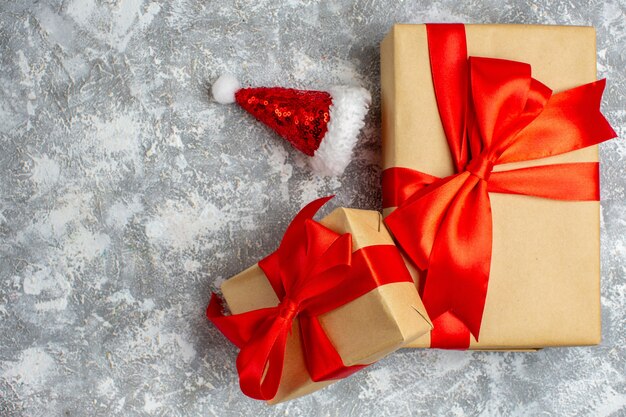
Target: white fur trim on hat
[(347, 113), (224, 89)]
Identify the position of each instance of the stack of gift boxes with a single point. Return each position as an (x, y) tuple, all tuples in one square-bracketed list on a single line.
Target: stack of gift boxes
[(489, 235)]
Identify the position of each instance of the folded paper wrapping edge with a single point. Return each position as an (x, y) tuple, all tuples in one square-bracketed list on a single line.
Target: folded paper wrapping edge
[(401, 121), (406, 315)]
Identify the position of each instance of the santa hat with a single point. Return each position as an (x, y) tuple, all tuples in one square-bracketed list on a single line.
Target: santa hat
[(322, 124)]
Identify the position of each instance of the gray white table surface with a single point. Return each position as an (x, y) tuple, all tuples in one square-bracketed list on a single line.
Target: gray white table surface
[(127, 196)]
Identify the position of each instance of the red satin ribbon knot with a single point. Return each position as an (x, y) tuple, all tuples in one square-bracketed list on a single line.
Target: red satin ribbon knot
[(493, 112), (312, 272), (480, 167), (288, 309)]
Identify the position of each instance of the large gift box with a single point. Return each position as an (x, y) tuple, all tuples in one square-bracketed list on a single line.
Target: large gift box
[(490, 180), (335, 297)]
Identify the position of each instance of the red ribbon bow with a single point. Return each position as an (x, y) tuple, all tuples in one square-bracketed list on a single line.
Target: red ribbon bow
[(493, 112), (312, 272)]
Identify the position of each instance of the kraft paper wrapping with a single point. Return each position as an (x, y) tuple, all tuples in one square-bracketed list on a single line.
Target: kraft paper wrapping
[(544, 288), (362, 331)]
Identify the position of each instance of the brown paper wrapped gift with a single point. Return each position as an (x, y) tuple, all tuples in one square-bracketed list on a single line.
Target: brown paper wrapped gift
[(544, 285), (362, 331)]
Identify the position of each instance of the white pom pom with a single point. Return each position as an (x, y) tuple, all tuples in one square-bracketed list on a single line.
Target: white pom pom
[(224, 89)]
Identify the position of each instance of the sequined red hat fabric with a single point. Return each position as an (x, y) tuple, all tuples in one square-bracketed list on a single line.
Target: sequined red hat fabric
[(301, 117), (322, 124)]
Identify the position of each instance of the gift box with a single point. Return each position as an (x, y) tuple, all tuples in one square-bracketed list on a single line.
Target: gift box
[(490, 180), (369, 308)]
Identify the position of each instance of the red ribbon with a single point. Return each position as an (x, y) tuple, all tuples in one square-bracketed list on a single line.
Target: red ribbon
[(493, 112), (312, 272)]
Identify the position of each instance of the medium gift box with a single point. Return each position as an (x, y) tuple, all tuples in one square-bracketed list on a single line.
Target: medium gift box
[(334, 297), (490, 181)]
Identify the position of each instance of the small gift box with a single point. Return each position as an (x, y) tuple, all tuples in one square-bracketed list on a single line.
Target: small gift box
[(490, 181), (334, 297)]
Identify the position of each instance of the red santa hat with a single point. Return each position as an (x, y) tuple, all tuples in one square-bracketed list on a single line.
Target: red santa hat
[(322, 124)]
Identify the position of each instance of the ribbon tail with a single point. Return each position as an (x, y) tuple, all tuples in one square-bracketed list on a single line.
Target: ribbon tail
[(449, 333), (460, 261), (322, 360), (260, 362)]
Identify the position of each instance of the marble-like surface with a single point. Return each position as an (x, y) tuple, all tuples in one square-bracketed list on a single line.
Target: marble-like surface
[(126, 196)]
